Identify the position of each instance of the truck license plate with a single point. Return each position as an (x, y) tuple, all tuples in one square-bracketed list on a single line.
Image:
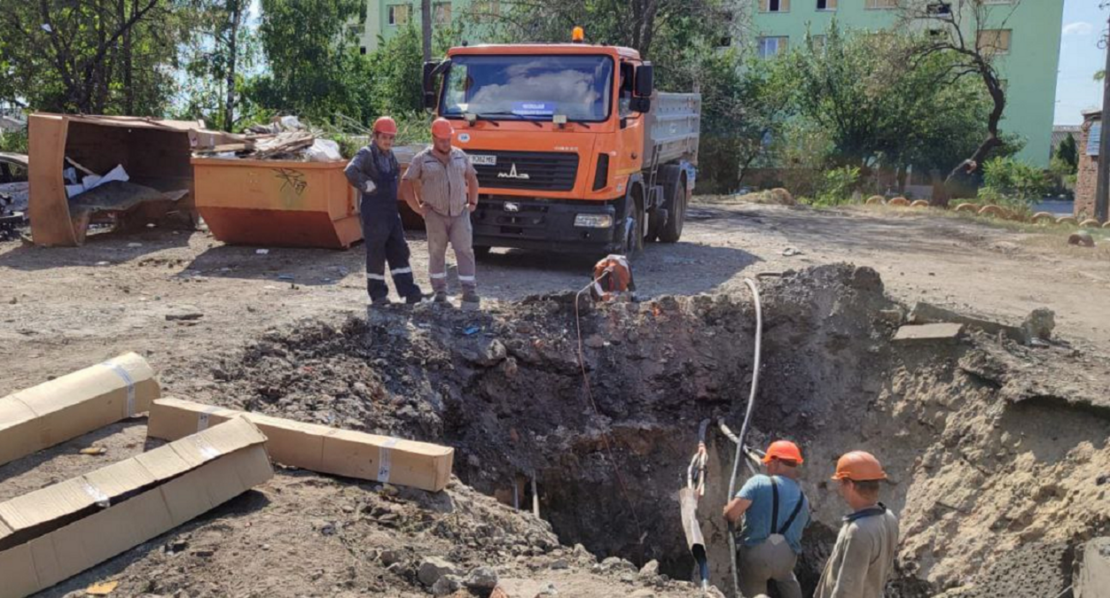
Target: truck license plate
[(483, 160)]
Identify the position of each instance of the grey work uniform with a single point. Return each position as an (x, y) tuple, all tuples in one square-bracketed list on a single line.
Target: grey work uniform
[(863, 558), (443, 189)]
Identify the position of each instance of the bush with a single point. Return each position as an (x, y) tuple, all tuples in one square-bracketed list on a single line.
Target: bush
[(837, 186), (1011, 182), (14, 141)]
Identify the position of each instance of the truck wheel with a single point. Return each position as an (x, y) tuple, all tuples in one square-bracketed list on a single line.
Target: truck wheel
[(634, 234), (671, 231)]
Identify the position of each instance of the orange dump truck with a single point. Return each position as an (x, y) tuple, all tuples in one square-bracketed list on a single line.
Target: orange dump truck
[(575, 150)]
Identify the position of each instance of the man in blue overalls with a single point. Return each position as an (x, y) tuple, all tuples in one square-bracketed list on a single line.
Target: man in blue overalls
[(374, 171)]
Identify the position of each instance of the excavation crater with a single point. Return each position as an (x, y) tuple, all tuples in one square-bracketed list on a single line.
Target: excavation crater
[(994, 448)]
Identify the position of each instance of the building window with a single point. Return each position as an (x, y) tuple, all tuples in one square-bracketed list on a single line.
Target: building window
[(881, 4), (939, 8), (994, 41), (442, 13), (362, 50), (769, 47), (826, 4), (774, 5), (485, 11), (399, 14)]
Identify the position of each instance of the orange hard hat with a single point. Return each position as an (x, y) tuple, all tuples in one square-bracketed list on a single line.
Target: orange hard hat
[(859, 466), (442, 129), (785, 450), (385, 125)]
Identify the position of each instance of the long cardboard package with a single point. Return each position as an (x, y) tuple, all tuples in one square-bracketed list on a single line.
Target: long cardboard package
[(75, 404), (54, 533), (318, 448)]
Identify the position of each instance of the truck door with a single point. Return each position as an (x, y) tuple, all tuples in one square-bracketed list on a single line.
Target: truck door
[(629, 160)]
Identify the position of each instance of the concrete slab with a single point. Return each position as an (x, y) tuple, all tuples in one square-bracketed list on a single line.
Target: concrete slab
[(926, 313), (929, 333)]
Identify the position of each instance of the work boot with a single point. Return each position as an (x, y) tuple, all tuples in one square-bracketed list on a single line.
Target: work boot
[(441, 297), (414, 298), (470, 299)]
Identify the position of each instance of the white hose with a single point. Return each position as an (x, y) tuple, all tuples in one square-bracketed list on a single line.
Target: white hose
[(744, 428)]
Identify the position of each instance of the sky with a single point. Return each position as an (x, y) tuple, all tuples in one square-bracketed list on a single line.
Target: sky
[(1080, 58)]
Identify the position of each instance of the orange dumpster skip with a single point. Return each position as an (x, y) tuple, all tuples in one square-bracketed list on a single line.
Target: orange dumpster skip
[(277, 203)]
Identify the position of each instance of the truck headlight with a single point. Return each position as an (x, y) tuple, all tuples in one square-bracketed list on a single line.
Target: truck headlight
[(593, 220)]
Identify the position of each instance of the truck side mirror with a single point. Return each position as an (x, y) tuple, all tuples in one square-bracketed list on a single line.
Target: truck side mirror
[(428, 85), (645, 80), (641, 105)]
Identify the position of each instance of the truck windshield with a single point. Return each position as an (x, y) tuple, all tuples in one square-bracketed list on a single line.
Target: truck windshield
[(530, 87)]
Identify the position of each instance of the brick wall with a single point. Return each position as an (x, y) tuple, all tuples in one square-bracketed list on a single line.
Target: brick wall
[(1088, 173)]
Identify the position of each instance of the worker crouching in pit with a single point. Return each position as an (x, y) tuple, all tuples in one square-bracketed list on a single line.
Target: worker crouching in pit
[(863, 558), (775, 512)]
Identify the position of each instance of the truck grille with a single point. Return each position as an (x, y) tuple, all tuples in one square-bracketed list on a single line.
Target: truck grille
[(540, 171)]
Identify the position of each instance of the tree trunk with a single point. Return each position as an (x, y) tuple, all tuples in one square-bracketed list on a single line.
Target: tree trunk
[(901, 178), (128, 82), (229, 107), (994, 86), (426, 27)]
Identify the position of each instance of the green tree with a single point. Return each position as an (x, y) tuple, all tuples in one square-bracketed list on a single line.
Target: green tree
[(312, 68), (219, 50), (640, 24), (1068, 152), (966, 35), (877, 108), (93, 56)]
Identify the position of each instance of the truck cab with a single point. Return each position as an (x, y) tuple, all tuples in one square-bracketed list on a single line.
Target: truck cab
[(574, 149)]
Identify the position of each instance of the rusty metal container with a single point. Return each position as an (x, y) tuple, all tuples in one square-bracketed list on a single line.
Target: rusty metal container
[(277, 203)]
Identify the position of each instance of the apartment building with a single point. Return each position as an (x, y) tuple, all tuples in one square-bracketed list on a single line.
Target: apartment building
[(1025, 34), (385, 17)]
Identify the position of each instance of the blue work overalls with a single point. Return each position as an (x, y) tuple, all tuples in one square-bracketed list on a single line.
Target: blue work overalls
[(382, 231)]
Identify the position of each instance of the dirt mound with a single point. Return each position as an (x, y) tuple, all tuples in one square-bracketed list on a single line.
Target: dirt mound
[(986, 454)]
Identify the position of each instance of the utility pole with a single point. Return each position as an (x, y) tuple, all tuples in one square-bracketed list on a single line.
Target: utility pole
[(1102, 189), (426, 26)]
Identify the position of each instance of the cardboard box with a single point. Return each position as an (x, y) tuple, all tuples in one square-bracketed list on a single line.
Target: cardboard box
[(75, 404), (318, 448), (55, 533)]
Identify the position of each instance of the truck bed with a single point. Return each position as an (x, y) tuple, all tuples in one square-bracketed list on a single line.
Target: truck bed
[(673, 128)]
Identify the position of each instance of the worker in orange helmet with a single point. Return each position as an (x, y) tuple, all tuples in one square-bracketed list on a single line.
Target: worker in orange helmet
[(863, 558), (775, 512), (374, 171), (442, 185)]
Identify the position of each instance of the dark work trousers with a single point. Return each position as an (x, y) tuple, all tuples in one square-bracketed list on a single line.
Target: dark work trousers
[(384, 237)]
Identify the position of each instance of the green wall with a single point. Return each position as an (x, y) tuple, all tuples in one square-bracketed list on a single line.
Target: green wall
[(1029, 68)]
